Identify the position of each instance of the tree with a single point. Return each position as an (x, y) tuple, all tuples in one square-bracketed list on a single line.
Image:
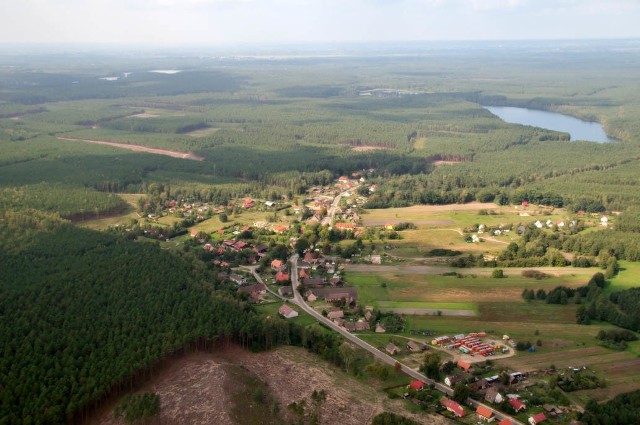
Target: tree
[(497, 274), (302, 244), (137, 407), (223, 218), (431, 365), (461, 392)]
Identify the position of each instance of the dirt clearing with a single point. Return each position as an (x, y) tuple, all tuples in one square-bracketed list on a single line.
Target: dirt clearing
[(138, 148), (202, 388)]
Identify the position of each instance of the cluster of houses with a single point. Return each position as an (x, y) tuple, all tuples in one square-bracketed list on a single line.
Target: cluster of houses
[(412, 346)]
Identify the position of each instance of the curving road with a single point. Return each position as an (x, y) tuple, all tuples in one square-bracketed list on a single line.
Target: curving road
[(300, 302)]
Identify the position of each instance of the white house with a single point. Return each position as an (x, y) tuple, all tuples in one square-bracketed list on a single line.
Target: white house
[(604, 220), (538, 224)]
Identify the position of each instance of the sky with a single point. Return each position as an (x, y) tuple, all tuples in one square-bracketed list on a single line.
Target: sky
[(229, 22)]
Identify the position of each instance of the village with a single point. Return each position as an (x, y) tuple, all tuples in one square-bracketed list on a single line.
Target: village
[(251, 251)]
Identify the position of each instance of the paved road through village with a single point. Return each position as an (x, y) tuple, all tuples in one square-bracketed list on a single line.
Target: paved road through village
[(300, 302)]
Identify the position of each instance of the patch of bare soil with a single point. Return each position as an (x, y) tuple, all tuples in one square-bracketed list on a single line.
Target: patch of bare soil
[(416, 222), (138, 148), (199, 389), (366, 148), (143, 115), (191, 392), (436, 163)]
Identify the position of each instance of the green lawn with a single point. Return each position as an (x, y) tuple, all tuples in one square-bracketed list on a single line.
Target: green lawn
[(627, 277)]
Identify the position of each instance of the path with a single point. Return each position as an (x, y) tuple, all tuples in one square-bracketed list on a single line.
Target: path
[(300, 302), (436, 270)]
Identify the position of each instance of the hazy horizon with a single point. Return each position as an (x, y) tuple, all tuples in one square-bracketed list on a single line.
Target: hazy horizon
[(224, 23)]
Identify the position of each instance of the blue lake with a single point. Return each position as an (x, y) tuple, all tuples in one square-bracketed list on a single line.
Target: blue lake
[(577, 129)]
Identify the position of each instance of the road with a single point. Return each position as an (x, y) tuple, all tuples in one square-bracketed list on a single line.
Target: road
[(259, 279), (300, 302), (332, 209)]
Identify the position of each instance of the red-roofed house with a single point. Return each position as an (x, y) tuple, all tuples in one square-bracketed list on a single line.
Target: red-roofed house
[(516, 404), (464, 365), (537, 419), (248, 203), (282, 276), (303, 274), (452, 407), (277, 265), (505, 421), (287, 312), (484, 413), (279, 228), (194, 233), (345, 226), (417, 385)]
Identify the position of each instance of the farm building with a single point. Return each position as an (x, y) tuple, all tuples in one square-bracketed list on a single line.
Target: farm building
[(287, 312), (452, 380), (285, 290), (392, 349), (335, 314)]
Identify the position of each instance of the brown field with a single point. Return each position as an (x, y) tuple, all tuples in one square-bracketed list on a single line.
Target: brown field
[(138, 148), (196, 389), (423, 222)]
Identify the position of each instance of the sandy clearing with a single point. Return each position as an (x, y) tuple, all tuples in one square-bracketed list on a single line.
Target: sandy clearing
[(138, 148), (367, 148), (143, 115), (194, 389)]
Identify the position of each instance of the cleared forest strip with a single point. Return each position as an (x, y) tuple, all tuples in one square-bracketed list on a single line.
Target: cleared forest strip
[(138, 148)]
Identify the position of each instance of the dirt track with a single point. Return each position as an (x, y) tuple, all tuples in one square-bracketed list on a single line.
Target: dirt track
[(416, 222), (435, 270), (138, 148), (431, 311)]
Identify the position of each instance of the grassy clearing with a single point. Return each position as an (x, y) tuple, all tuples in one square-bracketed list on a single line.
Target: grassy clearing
[(120, 219), (432, 305), (627, 277), (271, 310)]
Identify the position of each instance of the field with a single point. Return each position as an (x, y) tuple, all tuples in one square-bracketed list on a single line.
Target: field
[(498, 308), (221, 387), (442, 226)]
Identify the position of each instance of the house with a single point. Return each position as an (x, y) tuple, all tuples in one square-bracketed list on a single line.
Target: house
[(538, 224), (551, 409), (304, 265), (239, 246), (335, 281), (484, 413), (452, 380), (310, 258), (464, 365), (604, 220), (194, 233), (475, 239), (505, 421), (287, 312), (269, 204), (452, 407), (414, 347), (311, 297), (284, 291), (368, 315), (237, 279), (282, 277), (277, 265), (279, 228), (303, 274), (260, 250), (347, 295), (416, 385), (255, 291), (248, 203), (392, 349), (517, 405), (493, 396), (313, 282), (335, 314), (479, 385), (380, 329), (345, 226), (537, 419), (356, 326)]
